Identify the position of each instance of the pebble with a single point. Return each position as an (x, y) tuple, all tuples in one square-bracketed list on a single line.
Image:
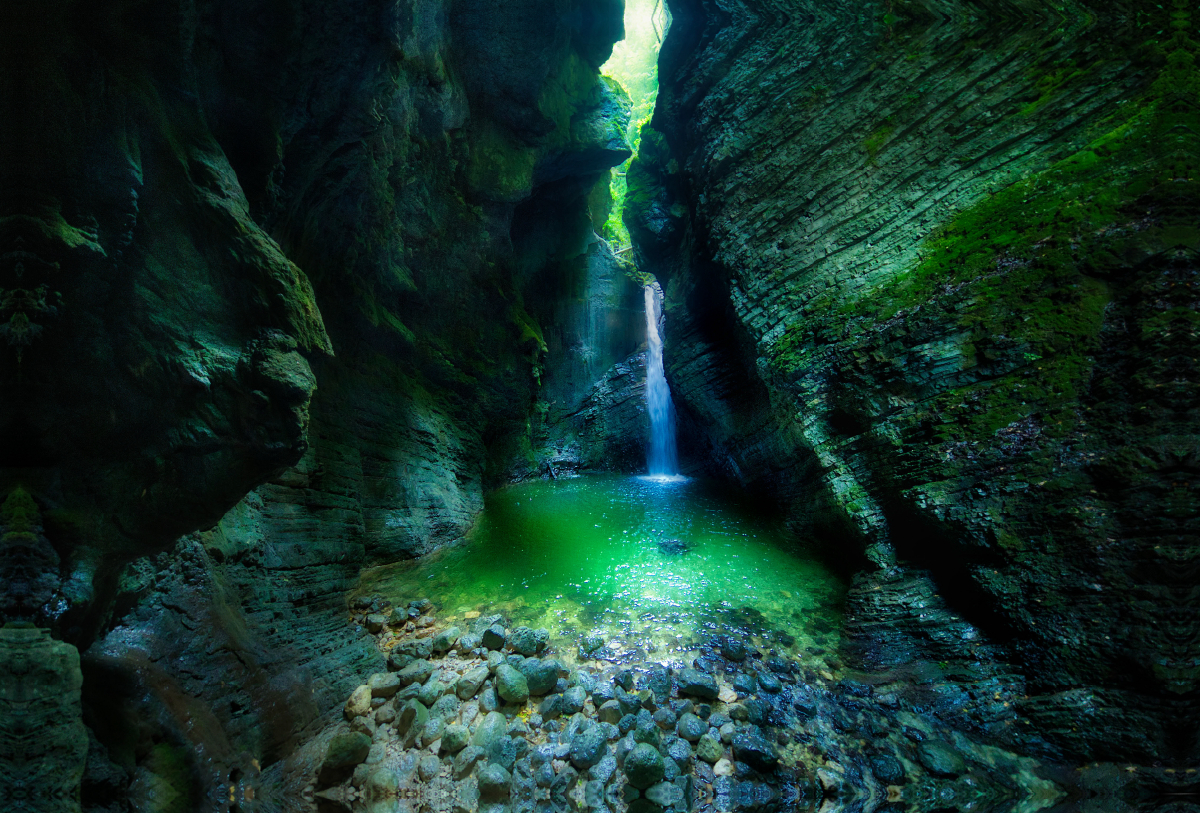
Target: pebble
[(697, 684), (603, 770), (384, 684), (540, 675), (745, 683), (465, 762), (709, 749), (733, 649), (588, 747), (647, 732), (490, 729), (940, 759), (574, 699), (444, 641), (494, 782), (469, 684), (412, 716), (751, 747), (359, 702), (455, 738), (887, 769), (431, 691), (723, 768), (769, 683), (643, 766), (428, 767), (665, 719), (511, 685), (493, 637), (551, 707), (610, 712), (416, 672), (691, 728)]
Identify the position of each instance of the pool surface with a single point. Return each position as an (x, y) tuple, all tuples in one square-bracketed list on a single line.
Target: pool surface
[(653, 568)]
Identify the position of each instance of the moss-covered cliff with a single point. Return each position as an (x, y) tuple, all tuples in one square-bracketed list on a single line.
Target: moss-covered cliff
[(932, 283)]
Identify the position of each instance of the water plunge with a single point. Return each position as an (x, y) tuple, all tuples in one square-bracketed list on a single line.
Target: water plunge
[(661, 459)]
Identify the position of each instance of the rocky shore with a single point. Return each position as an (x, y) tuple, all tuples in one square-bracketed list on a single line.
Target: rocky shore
[(474, 715)]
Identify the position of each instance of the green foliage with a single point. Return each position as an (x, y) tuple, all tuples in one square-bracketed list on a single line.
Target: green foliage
[(633, 67)]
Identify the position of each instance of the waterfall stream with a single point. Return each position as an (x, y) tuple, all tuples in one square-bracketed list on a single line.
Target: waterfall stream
[(661, 459)]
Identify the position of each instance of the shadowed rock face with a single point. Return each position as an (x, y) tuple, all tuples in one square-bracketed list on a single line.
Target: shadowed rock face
[(153, 335), (932, 282), (180, 186)]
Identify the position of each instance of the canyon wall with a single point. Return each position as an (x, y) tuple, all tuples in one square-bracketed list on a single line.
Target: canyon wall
[(931, 282), (274, 290)]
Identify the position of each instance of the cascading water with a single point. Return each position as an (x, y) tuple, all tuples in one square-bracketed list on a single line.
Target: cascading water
[(661, 459)]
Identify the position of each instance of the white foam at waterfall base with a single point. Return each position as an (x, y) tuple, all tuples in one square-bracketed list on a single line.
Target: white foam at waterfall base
[(661, 459)]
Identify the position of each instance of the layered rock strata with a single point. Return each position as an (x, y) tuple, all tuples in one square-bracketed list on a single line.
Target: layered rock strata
[(179, 191), (931, 282)]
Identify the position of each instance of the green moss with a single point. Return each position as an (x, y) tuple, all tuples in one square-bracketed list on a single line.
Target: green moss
[(875, 141), (1023, 273), (500, 167)]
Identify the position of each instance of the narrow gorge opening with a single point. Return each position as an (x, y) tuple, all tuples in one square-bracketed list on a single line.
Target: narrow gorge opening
[(335, 429)]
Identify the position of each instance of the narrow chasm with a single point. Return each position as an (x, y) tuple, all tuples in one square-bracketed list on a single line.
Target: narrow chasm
[(658, 406)]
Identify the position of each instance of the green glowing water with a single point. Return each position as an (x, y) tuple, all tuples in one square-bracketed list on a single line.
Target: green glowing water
[(601, 555)]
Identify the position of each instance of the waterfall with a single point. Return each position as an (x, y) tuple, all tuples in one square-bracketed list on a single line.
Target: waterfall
[(661, 459)]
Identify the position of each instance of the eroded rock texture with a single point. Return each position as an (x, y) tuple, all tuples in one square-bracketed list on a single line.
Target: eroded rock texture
[(180, 187), (43, 741), (932, 282)]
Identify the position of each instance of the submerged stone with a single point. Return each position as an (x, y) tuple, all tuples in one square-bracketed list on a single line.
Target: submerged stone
[(696, 683), (674, 547)]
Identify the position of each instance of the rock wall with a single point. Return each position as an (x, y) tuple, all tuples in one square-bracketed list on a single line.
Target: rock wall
[(931, 281), (293, 250)]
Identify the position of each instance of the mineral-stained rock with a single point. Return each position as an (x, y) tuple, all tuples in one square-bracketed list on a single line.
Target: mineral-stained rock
[(892, 343)]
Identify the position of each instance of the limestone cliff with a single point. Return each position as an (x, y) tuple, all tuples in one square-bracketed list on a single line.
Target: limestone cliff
[(931, 280)]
